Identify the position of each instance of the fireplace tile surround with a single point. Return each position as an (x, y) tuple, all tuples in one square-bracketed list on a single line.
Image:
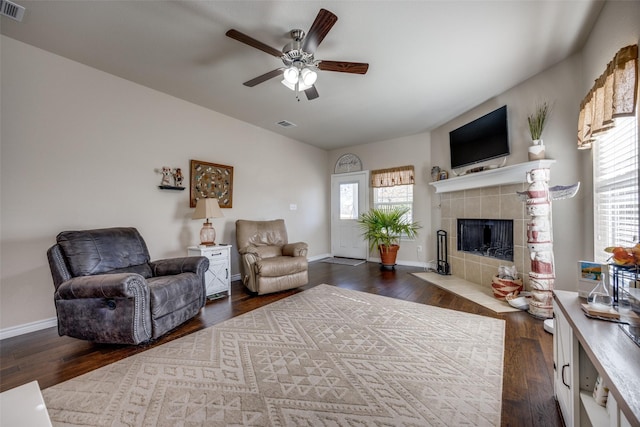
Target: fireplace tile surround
[(499, 202)]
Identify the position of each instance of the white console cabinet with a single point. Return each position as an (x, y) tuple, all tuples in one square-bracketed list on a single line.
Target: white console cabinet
[(584, 348), (24, 406), (564, 345), (218, 276)]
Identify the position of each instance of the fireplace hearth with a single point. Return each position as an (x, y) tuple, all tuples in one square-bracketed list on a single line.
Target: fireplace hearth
[(486, 237)]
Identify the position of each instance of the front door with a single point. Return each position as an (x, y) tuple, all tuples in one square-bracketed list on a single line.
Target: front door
[(349, 198)]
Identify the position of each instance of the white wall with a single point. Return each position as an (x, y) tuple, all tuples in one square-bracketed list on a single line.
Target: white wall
[(79, 148), (412, 150), (617, 26)]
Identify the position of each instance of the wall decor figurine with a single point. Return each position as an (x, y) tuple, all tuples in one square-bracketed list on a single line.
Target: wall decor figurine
[(435, 173), (171, 178), (177, 177), (211, 180), (166, 176)]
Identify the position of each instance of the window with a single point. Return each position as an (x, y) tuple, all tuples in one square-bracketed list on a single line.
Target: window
[(608, 123), (349, 200), (615, 188), (393, 188), (397, 196)]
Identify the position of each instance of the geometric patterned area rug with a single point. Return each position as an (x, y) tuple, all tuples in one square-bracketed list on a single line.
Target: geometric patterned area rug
[(325, 356), (479, 294)]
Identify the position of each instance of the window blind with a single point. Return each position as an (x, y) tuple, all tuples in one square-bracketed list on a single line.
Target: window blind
[(402, 175), (616, 187)]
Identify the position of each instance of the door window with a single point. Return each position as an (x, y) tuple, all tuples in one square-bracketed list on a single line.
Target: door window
[(349, 200)]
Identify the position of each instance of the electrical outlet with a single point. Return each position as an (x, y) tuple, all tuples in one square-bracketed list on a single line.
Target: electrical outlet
[(419, 248)]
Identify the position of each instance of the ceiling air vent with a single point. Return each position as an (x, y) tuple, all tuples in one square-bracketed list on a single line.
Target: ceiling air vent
[(11, 10), (286, 124)]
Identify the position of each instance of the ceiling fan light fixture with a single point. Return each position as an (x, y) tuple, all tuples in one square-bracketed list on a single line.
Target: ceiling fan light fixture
[(304, 79), (308, 77), (290, 85), (291, 75), (302, 86), (300, 66)]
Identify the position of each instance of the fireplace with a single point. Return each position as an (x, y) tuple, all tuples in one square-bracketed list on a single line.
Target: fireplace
[(500, 201), (486, 237)]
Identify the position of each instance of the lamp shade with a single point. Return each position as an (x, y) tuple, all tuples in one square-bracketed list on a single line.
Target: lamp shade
[(207, 208), (308, 76), (291, 86), (291, 75), (302, 86)]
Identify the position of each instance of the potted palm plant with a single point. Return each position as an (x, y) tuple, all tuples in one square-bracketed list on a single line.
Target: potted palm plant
[(383, 227)]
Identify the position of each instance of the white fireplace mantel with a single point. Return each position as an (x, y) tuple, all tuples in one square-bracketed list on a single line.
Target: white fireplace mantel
[(513, 174)]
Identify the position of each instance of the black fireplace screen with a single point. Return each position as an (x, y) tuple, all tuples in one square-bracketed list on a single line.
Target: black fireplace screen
[(486, 237)]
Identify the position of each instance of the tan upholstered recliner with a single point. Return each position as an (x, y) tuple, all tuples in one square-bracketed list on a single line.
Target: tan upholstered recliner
[(268, 263)]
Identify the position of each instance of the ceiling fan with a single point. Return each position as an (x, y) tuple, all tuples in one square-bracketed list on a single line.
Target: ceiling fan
[(298, 57)]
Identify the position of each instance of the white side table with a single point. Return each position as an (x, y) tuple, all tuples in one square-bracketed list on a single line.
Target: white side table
[(218, 276), (23, 406)]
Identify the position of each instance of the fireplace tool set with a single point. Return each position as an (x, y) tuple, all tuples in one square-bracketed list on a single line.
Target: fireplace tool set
[(443, 257)]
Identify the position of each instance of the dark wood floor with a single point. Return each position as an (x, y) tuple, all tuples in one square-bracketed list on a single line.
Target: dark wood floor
[(528, 365)]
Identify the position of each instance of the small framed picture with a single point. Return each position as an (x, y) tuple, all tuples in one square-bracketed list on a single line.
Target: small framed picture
[(443, 175), (589, 274)]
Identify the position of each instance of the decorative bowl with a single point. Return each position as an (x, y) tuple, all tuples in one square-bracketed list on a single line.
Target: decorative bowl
[(504, 287)]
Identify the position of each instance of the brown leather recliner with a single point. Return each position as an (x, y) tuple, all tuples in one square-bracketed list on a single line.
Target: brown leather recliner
[(268, 263)]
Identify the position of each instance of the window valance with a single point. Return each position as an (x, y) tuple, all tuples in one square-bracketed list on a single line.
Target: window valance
[(402, 175), (613, 95)]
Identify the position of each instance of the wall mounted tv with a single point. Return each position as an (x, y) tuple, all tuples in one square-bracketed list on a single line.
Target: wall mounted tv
[(482, 139)]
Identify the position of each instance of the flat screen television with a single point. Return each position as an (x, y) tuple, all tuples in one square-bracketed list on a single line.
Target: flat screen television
[(482, 139)]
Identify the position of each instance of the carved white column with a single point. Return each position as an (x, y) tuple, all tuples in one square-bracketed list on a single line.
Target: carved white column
[(542, 276), (540, 243)]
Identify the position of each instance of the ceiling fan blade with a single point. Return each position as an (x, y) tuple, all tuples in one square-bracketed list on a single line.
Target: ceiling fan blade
[(312, 93), (344, 67), (319, 29), (263, 78), (243, 38)]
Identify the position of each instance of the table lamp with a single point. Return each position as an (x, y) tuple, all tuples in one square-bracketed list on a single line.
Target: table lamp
[(207, 208)]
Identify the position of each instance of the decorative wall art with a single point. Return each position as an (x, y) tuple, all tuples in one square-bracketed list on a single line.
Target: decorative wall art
[(348, 163), (211, 180)]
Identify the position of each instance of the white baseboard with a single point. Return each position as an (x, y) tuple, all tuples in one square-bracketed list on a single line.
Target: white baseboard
[(14, 331), (319, 257), (420, 264), (402, 262)]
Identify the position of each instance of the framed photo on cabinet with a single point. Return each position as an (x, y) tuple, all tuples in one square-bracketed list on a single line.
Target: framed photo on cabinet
[(589, 274)]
